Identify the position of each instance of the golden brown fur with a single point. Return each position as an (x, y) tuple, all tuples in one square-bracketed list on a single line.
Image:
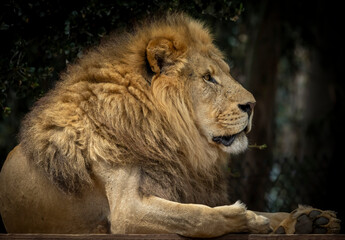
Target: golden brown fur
[(135, 129), (105, 109)]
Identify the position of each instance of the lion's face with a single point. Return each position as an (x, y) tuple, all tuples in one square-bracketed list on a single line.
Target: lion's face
[(223, 109)]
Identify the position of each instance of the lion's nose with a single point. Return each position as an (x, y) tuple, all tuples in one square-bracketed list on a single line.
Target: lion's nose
[(248, 107)]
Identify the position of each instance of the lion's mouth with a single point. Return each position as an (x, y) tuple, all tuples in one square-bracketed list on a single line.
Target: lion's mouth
[(225, 140)]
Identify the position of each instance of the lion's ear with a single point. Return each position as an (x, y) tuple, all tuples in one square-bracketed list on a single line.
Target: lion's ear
[(162, 52)]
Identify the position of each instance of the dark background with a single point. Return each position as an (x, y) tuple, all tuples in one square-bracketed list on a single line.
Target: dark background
[(289, 54)]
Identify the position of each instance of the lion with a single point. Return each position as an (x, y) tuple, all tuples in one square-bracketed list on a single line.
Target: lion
[(135, 138)]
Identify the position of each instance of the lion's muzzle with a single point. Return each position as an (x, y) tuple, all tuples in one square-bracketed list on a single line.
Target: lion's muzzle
[(228, 140)]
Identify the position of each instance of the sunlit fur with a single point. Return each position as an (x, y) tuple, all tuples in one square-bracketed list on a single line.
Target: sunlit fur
[(120, 105)]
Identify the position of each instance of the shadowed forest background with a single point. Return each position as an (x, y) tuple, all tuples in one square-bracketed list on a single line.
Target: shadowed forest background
[(289, 54)]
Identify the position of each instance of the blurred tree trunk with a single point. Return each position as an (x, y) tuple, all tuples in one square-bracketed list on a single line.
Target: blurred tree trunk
[(325, 110), (261, 70)]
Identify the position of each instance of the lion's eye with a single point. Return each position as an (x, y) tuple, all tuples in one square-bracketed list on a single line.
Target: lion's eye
[(209, 78)]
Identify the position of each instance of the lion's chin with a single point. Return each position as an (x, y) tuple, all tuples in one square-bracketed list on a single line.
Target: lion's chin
[(233, 144)]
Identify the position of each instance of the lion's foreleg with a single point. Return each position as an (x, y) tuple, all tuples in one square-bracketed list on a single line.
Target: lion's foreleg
[(156, 215), (131, 212), (195, 220)]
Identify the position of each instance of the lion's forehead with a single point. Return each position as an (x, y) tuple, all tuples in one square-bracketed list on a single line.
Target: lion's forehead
[(208, 60)]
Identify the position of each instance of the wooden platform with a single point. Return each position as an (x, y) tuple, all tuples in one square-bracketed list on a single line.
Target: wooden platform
[(170, 237)]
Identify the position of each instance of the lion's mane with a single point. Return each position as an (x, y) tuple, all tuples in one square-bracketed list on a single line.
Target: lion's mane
[(110, 107)]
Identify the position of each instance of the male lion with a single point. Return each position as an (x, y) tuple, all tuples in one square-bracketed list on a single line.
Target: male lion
[(135, 139)]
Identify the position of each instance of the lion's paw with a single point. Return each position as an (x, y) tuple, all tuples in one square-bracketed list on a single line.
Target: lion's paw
[(307, 220)]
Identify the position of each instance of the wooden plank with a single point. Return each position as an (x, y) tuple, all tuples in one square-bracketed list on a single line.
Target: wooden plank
[(169, 237), (113, 237), (296, 237)]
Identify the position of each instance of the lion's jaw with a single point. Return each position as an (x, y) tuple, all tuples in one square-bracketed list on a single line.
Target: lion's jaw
[(234, 144), (229, 140), (237, 142)]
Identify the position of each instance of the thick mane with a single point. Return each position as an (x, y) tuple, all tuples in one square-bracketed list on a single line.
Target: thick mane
[(109, 107)]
